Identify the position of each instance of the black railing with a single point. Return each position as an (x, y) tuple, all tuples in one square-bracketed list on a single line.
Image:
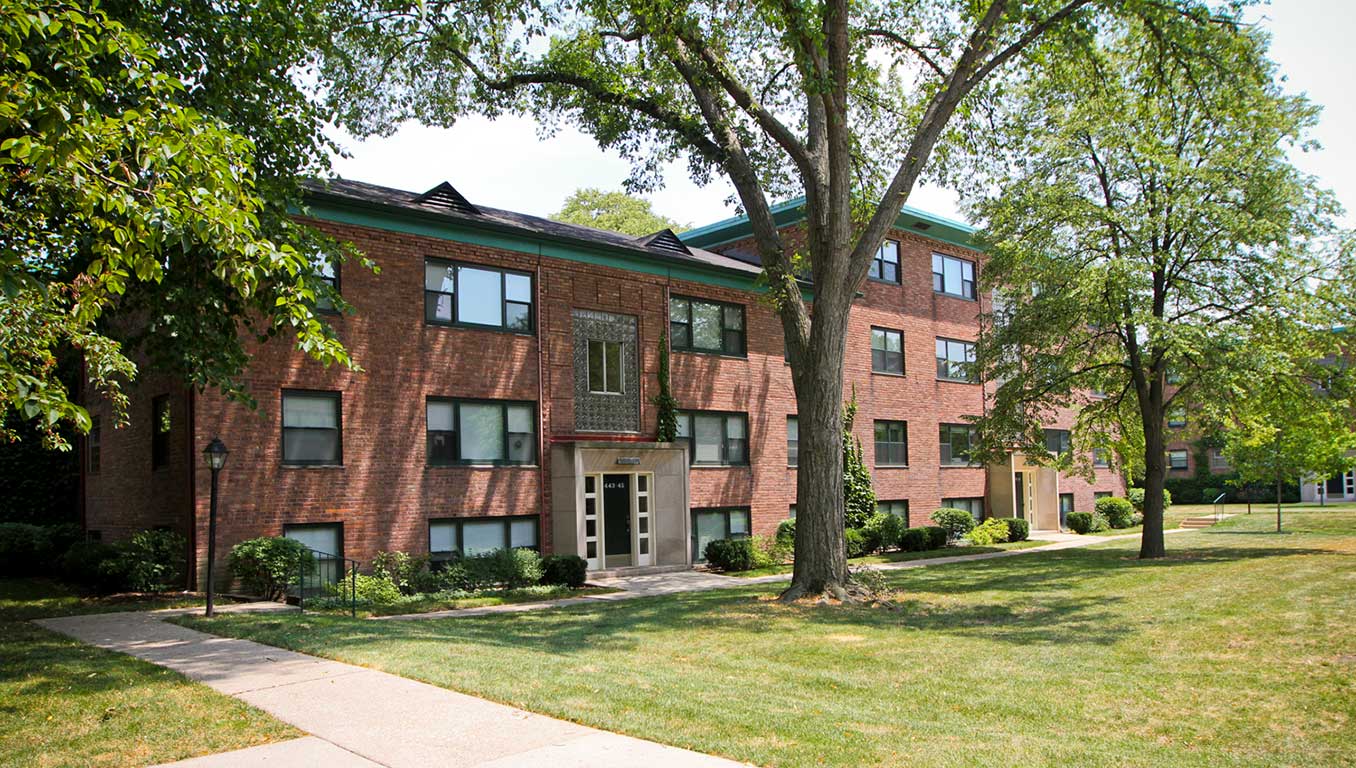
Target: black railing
[(327, 569), (1219, 507)]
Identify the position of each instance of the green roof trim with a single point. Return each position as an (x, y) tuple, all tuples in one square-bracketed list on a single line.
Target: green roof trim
[(346, 210), (921, 222)]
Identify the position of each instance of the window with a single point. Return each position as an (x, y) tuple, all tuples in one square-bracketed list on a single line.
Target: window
[(480, 432), (459, 294), (93, 445), (1177, 459), (892, 443), (1066, 505), (1218, 460), (953, 276), (955, 441), (1100, 458), (160, 431), (899, 508), (972, 504), (955, 360), (708, 525), (326, 542), (605, 367), (792, 441), (792, 513), (328, 272), (1101, 495), (696, 325), (467, 536), (1057, 441), (887, 351), (885, 267), (1177, 418), (311, 428), (714, 438)]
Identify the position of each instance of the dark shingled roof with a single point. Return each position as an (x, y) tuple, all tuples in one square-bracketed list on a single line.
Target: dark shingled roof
[(444, 202)]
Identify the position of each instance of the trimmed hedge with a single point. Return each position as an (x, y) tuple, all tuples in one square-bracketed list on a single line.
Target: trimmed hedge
[(938, 537), (1018, 528), (957, 522), (730, 554), (913, 539), (564, 570), (1079, 522), (786, 532), (1119, 513)]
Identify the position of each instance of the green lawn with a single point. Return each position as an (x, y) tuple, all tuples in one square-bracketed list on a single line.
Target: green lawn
[(432, 603), (64, 703), (900, 557), (1238, 649)]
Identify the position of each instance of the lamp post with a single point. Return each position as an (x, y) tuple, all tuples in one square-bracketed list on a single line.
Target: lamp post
[(215, 455)]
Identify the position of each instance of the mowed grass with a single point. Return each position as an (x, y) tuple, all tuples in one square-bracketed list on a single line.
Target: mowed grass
[(1239, 649), (901, 557), (64, 703), (1174, 516)]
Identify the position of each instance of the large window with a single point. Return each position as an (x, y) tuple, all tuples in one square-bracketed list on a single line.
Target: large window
[(885, 267), (467, 536), (1057, 441), (1066, 505), (326, 541), (899, 508), (953, 276), (1100, 457), (93, 445), (697, 325), (460, 294), (605, 367), (1177, 459), (1218, 459), (887, 351), (481, 432), (161, 425), (892, 443), (956, 440), (312, 428), (792, 441), (955, 360), (708, 525), (972, 504), (715, 438), (328, 271)]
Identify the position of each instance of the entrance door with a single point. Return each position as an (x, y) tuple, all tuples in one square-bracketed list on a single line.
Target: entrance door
[(617, 520), (1024, 496)]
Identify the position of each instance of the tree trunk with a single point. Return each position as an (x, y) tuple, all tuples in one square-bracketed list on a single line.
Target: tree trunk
[(1155, 473), (1278, 502)]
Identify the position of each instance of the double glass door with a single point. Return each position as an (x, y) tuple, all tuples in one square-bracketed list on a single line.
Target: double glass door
[(618, 524)]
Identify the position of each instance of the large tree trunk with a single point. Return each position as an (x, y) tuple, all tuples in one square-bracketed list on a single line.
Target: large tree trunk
[(1155, 473)]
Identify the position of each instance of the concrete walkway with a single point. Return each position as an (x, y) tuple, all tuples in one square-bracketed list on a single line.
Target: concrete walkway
[(359, 717)]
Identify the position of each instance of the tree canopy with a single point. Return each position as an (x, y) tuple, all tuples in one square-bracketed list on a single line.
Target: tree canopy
[(1152, 247), (613, 211)]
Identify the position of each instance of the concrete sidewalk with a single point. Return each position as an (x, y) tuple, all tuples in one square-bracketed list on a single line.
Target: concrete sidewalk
[(360, 717)]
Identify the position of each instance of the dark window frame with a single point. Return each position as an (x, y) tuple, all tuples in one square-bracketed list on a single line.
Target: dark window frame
[(504, 301), (944, 370), (792, 446), (1186, 461), (456, 403), (690, 345), (332, 279), (691, 438), (94, 446), (973, 295), (338, 398), (621, 367), (1063, 437), (1100, 458), (459, 521), (161, 439), (698, 557), (1177, 418), (969, 502), (877, 270), (888, 424), (326, 524), (945, 434), (905, 502), (885, 352)]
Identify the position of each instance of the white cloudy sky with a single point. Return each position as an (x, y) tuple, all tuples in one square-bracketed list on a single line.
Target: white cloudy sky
[(506, 165)]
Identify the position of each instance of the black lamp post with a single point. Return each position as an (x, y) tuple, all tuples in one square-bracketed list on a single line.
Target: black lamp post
[(215, 455)]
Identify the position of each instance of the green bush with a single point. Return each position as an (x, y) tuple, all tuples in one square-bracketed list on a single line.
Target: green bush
[(153, 561), (503, 568), (938, 537), (373, 589), (92, 564), (1117, 511), (786, 532), (1209, 493), (1136, 519), (1079, 522), (564, 570), (1099, 523), (25, 550), (883, 531), (1018, 528), (991, 531), (957, 522), (1136, 497), (730, 554), (767, 552), (267, 564), (407, 572), (914, 539), (855, 542)]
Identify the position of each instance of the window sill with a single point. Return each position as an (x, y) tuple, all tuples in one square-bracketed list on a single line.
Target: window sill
[(891, 374), (718, 466), (286, 465), (956, 381), (954, 296), (712, 353), (962, 466), (892, 466), (471, 465), (607, 394), (871, 279), (474, 327)]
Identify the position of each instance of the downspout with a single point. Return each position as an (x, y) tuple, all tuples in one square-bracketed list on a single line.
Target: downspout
[(542, 440)]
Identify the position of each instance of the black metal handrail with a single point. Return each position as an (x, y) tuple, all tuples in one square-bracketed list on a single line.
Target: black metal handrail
[(346, 563), (1219, 507)]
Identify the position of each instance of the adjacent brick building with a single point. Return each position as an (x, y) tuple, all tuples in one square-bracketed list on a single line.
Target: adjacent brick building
[(508, 369)]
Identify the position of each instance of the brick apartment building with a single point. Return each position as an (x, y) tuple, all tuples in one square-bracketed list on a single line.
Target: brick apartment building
[(509, 365)]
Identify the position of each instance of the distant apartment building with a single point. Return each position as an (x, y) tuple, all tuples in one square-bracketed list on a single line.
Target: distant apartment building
[(506, 398)]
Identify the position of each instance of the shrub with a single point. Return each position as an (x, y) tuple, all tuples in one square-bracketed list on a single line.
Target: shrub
[(957, 522), (153, 561), (92, 564), (1136, 519), (1079, 522), (1136, 497), (938, 537), (374, 589), (730, 554), (265, 565), (914, 539), (1117, 511), (991, 531), (564, 570), (855, 542), (1099, 523), (767, 552), (402, 569), (25, 550), (1018, 528), (883, 530), (506, 568), (786, 532), (1208, 495)]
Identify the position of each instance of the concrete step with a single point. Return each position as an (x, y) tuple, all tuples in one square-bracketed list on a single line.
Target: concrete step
[(1198, 522), (637, 570)]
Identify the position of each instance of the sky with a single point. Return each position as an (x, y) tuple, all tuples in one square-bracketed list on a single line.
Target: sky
[(506, 163)]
